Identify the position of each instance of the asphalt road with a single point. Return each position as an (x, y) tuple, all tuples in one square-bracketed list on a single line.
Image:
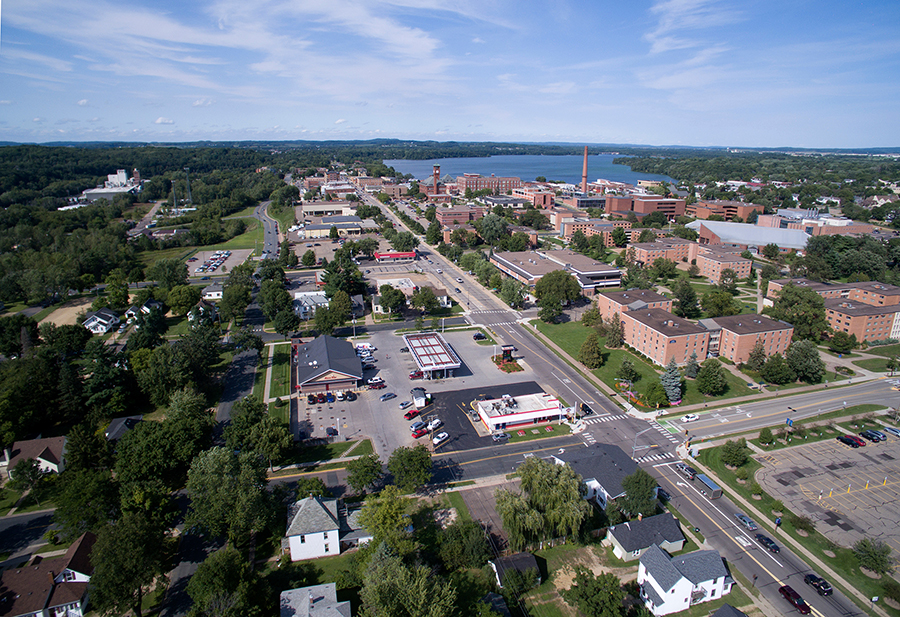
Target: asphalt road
[(22, 534)]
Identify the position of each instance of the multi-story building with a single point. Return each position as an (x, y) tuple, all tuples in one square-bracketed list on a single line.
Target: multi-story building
[(611, 302), (528, 267), (751, 237), (813, 222), (459, 214), (674, 249), (734, 336), (538, 195), (712, 263), (724, 208), (496, 184), (662, 337), (642, 205)]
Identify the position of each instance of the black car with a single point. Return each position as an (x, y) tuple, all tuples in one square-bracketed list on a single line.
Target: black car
[(689, 472), (404, 350), (847, 441), (478, 336), (768, 543), (663, 495), (870, 435), (311, 399), (350, 396), (585, 410), (819, 584)]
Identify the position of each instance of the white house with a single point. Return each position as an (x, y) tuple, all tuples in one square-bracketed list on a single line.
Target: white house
[(321, 527), (132, 313), (49, 453), (306, 303), (602, 468), (51, 587), (213, 291), (673, 584), (631, 539), (101, 322)]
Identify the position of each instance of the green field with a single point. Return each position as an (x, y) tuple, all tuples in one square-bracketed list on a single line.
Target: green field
[(246, 212), (878, 365), (148, 258), (884, 350), (281, 371), (542, 432), (250, 239)]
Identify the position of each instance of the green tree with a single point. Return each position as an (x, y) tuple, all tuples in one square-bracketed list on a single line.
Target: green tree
[(424, 298), (615, 332), (433, 235), (309, 259), (595, 595), (647, 235), (27, 475), (384, 516), (802, 308), (512, 293), (711, 378), (765, 436), (805, 360), (333, 233), (411, 467), (225, 585), (771, 251), (735, 453), (691, 369), (228, 494), (685, 299), (364, 472), (235, 300), (182, 298), (591, 353), (549, 311), (627, 371), (392, 299), (728, 279), (873, 555), (841, 342), (271, 439), (127, 559), (619, 237), (757, 357), (463, 545), (664, 268), (168, 273), (285, 322), (392, 589), (86, 500), (557, 287), (777, 371), (492, 228), (655, 396), (719, 304), (273, 298), (640, 494), (671, 381)]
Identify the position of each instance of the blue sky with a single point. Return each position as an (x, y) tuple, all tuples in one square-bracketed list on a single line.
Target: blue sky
[(798, 73)]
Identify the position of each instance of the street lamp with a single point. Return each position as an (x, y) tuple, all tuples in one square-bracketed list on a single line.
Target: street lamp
[(634, 445), (354, 328)]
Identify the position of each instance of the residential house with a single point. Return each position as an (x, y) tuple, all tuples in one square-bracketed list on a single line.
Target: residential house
[(306, 303), (632, 538), (726, 610), (49, 454), (213, 291), (602, 468), (519, 562), (132, 313), (320, 527), (674, 584), (325, 364), (119, 426), (101, 322), (313, 601), (50, 587), (202, 313)]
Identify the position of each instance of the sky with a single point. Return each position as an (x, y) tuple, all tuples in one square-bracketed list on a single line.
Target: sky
[(748, 73)]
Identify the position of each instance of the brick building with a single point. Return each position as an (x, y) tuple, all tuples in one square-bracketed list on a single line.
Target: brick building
[(459, 214), (813, 222), (528, 267), (734, 336), (674, 249), (724, 208), (712, 263), (751, 237), (610, 302), (642, 205), (496, 184), (661, 336), (538, 195)]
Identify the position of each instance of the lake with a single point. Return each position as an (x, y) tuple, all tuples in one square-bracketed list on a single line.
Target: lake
[(527, 167)]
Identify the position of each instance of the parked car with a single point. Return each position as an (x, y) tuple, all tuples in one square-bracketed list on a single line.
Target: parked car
[(378, 386), (404, 405), (374, 380), (420, 432), (689, 472), (663, 495), (859, 440), (434, 423), (387, 396), (847, 441), (330, 397), (339, 396), (691, 417), (412, 413), (794, 598), (878, 434), (870, 435), (311, 399), (499, 437), (416, 426), (351, 396), (404, 350), (439, 439), (893, 431), (746, 521), (478, 336), (819, 584), (768, 543), (416, 375), (321, 398)]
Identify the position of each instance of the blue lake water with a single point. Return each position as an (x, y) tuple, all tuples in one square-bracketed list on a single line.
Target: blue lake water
[(527, 167)]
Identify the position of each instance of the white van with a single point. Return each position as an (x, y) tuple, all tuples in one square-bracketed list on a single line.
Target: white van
[(365, 346)]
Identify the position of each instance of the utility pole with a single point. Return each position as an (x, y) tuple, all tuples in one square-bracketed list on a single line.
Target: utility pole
[(187, 171)]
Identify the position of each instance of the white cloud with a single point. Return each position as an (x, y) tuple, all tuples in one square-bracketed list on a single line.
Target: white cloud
[(340, 121), (5, 102), (37, 119), (477, 40), (202, 103), (162, 120), (686, 17), (83, 103)]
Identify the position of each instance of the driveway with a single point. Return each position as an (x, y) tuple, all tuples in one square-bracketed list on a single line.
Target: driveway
[(483, 508)]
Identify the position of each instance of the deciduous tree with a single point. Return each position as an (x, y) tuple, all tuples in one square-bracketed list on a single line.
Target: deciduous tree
[(363, 472), (595, 595), (802, 308), (805, 360), (411, 467)]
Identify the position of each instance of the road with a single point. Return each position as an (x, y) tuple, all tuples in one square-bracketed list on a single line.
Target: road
[(22, 534)]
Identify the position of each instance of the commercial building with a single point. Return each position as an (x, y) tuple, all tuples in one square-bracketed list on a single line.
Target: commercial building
[(325, 364), (345, 225), (432, 354), (396, 257), (734, 336), (495, 184), (750, 237), (508, 413), (662, 336), (309, 209), (724, 208), (611, 302), (528, 267)]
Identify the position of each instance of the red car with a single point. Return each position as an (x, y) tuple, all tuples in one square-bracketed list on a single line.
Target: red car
[(859, 440), (412, 413), (416, 375), (420, 433), (377, 386), (321, 397)]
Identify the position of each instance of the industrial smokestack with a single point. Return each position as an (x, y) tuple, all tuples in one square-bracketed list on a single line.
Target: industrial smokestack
[(584, 174)]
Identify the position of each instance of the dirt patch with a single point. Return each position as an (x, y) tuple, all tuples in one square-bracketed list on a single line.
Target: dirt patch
[(445, 518), (588, 557), (67, 313)]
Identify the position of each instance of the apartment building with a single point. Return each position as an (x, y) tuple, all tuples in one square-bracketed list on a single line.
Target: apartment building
[(496, 184), (674, 249), (661, 336), (459, 214), (713, 263), (866, 292), (610, 302), (642, 205), (606, 229), (538, 195), (734, 336), (725, 208)]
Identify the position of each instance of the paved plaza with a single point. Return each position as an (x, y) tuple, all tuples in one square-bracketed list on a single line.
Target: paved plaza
[(850, 494)]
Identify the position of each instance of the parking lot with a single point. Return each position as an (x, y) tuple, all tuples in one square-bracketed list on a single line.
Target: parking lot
[(383, 420), (850, 493), (208, 257)]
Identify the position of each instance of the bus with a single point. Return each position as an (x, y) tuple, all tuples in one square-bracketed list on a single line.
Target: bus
[(708, 487)]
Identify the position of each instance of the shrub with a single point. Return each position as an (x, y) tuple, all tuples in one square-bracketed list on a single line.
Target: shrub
[(735, 453), (873, 555), (891, 589), (755, 489), (777, 506), (742, 473), (765, 436), (802, 522)]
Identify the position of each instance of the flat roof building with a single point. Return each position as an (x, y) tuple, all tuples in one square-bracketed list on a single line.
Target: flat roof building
[(507, 413), (662, 336), (528, 267), (610, 302), (734, 336), (432, 354)]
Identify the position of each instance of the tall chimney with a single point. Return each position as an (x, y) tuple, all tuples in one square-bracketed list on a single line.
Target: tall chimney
[(584, 174), (437, 177)]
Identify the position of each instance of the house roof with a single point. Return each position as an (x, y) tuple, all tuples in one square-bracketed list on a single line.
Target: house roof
[(521, 562), (498, 603), (326, 353), (312, 515), (313, 601), (605, 463), (726, 610), (50, 449), (639, 534), (78, 555), (119, 426), (697, 567)]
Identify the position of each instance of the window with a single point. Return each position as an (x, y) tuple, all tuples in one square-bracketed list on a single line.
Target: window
[(68, 575), (302, 539), (326, 548), (325, 535)]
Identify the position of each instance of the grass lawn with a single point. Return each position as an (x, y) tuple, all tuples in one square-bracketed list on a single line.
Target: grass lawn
[(884, 350), (250, 239), (542, 432), (843, 561), (45, 493), (148, 258), (246, 212), (812, 434), (456, 501), (178, 325), (282, 413), (364, 448), (309, 454), (878, 365), (259, 379), (281, 371), (285, 218), (836, 355), (14, 307), (8, 498), (684, 523)]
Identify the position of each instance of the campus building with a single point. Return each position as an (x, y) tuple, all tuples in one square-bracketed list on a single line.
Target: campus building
[(495, 184), (642, 205), (750, 237), (712, 263), (611, 302), (734, 336), (813, 222), (459, 214), (661, 336), (724, 208), (528, 267), (673, 249)]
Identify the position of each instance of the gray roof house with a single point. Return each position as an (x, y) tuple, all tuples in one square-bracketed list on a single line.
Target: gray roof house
[(119, 426), (520, 562), (101, 322), (673, 584), (326, 363), (602, 468), (320, 527), (313, 601), (631, 539), (726, 610)]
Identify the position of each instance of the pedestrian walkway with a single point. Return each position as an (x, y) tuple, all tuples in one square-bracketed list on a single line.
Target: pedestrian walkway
[(599, 419), (649, 458), (664, 431)]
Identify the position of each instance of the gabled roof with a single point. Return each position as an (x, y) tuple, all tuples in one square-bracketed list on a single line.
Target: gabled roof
[(521, 562), (639, 534), (312, 515), (78, 556), (605, 463), (50, 449), (326, 353), (726, 610), (119, 426), (697, 567)]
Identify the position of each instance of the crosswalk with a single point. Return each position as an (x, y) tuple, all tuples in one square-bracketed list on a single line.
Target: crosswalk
[(600, 419), (588, 439), (659, 428), (655, 457), (489, 311)]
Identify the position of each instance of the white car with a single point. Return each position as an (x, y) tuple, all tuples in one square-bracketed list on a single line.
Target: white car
[(375, 380), (439, 271), (434, 423), (405, 404), (439, 439), (691, 417), (459, 280)]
